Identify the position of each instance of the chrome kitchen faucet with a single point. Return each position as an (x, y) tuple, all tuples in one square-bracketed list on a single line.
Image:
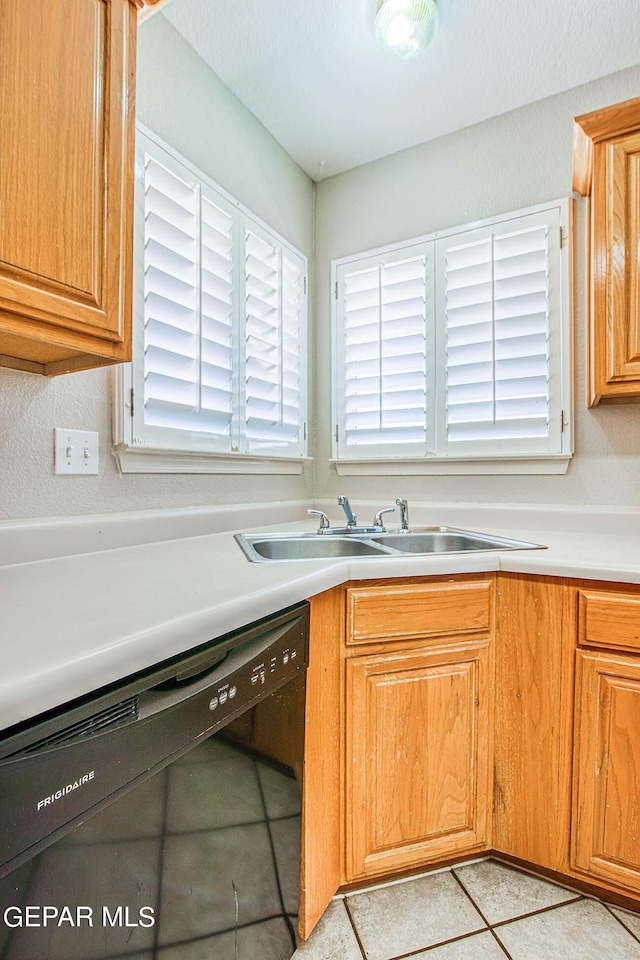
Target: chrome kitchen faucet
[(404, 513), (352, 519)]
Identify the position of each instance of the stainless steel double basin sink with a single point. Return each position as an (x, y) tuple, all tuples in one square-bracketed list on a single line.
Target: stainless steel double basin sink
[(265, 547)]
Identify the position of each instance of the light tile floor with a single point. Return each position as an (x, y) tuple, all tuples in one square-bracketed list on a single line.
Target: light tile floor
[(477, 911)]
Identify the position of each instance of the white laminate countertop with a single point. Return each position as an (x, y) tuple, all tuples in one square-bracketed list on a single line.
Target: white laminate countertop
[(72, 624)]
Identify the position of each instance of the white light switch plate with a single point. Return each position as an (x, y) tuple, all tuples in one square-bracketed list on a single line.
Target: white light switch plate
[(75, 451)]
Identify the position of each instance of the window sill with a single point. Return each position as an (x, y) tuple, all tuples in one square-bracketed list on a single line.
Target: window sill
[(448, 467), (139, 460)]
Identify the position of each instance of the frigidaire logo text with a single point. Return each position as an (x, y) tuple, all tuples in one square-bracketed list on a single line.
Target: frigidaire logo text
[(68, 788)]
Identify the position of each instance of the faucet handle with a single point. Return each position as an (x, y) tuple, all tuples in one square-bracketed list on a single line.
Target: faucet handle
[(377, 520), (324, 519)]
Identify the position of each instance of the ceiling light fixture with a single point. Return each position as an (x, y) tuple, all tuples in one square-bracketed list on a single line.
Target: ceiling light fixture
[(404, 28)]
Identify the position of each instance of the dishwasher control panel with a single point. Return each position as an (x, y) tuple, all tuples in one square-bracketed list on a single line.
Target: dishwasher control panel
[(282, 659)]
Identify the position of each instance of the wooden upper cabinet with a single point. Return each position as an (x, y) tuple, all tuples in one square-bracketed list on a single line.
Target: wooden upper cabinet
[(607, 168), (66, 182)]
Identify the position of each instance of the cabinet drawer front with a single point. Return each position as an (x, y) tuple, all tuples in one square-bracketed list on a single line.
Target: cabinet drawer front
[(609, 620), (425, 610)]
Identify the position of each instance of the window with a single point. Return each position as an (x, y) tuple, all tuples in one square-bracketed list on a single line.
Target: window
[(455, 347), (220, 314)]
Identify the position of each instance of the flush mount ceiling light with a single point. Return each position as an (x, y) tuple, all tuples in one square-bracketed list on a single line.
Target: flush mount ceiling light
[(404, 28)]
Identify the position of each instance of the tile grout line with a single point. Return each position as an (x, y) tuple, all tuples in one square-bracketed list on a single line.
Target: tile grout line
[(541, 910), (475, 905), (499, 942), (355, 929), (531, 913), (441, 943), (530, 872), (607, 907)]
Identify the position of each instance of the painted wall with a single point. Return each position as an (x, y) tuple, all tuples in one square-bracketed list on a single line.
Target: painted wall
[(521, 158), (513, 161), (185, 103)]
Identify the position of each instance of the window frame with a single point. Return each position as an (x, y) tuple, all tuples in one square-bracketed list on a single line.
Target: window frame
[(482, 460), (143, 448)]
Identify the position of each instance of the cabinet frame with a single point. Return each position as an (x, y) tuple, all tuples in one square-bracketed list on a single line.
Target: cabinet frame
[(536, 620)]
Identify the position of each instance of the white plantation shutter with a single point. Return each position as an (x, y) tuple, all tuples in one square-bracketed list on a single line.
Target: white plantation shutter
[(274, 340), (500, 289), (294, 325), (220, 335), (456, 345), (384, 320), (170, 296), (217, 319), (187, 306)]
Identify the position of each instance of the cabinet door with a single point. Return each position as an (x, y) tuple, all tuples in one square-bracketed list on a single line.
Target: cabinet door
[(320, 872), (615, 342), (606, 815), (418, 756), (66, 180)]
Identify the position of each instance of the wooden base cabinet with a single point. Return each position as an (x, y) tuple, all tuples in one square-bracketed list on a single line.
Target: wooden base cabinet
[(418, 736), (66, 182), (606, 814), (407, 757)]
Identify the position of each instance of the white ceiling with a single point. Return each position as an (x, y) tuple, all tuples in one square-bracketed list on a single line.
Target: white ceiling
[(311, 72)]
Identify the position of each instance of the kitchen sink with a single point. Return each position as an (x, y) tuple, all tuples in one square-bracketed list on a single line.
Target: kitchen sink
[(447, 541), (311, 548), (266, 547)]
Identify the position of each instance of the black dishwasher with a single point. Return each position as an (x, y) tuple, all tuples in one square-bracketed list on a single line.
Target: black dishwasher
[(159, 819)]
